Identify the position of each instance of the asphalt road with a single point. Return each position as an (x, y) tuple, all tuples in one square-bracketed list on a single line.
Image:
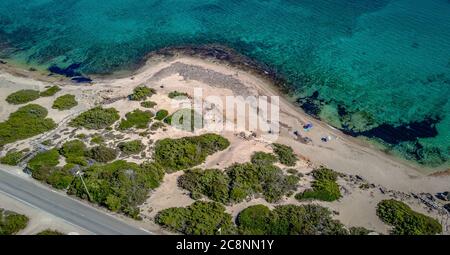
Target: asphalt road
[(64, 207)]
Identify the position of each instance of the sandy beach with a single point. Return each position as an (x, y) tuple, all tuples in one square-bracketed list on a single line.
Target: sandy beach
[(360, 161)]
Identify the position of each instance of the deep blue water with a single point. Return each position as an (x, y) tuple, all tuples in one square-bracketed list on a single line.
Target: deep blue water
[(378, 68)]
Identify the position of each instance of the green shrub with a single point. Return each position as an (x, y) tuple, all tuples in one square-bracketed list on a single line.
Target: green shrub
[(255, 220), (97, 139), (131, 147), (187, 152), (26, 122), (43, 164), (324, 187), (148, 104), (50, 91), (161, 114), (175, 94), (288, 220), (102, 154), (23, 96), (96, 118), (405, 220), (154, 174), (262, 158), (81, 136), (142, 93), (50, 232), (239, 182), (285, 154), (12, 158), (65, 102), (136, 119), (212, 183), (74, 151), (200, 218), (248, 179), (120, 186), (325, 174), (11, 222), (74, 148), (61, 178)]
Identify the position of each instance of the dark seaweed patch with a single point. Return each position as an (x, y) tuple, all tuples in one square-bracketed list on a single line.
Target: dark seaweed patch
[(403, 133), (311, 104), (81, 79), (69, 71), (342, 111), (315, 95), (310, 108)]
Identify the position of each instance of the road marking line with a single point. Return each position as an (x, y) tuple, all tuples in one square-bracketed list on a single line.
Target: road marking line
[(145, 230), (36, 207)]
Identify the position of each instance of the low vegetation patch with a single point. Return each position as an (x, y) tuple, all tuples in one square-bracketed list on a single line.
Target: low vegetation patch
[(136, 119), (44, 168), (250, 179), (96, 118), (61, 178), (102, 154), (288, 220), (120, 186), (23, 96), (11, 223), (161, 114), (65, 102), (200, 218), (187, 152), (43, 164), (210, 218), (12, 158), (239, 182), (26, 122), (97, 139), (324, 186), (131, 147), (50, 91), (157, 125), (175, 94), (74, 151), (148, 104), (81, 136), (47, 142), (405, 220), (262, 158), (360, 231), (50, 232), (141, 93), (285, 154), (212, 183)]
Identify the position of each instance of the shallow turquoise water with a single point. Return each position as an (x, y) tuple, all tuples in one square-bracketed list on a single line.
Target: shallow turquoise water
[(379, 68)]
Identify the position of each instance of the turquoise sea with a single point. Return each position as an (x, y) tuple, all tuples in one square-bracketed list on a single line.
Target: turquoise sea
[(377, 68)]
